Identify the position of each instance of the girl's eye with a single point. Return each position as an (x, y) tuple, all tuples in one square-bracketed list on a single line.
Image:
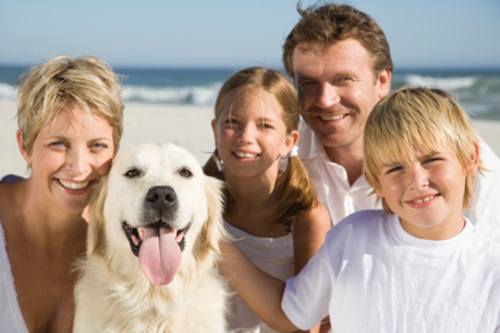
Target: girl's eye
[(231, 122), (264, 125)]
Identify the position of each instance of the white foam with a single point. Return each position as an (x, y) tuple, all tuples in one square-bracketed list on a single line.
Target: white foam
[(198, 95), (448, 83), (7, 92)]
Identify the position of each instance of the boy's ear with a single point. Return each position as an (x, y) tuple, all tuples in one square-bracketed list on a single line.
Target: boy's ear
[(474, 160), (20, 144)]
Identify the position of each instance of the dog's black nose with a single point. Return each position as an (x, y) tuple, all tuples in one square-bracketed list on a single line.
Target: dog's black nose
[(161, 196)]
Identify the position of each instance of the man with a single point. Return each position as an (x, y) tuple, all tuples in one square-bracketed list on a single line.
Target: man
[(340, 61)]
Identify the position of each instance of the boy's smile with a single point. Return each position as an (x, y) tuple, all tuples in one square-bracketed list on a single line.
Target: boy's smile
[(427, 194)]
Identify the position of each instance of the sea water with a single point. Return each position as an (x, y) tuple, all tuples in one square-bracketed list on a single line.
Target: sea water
[(477, 90)]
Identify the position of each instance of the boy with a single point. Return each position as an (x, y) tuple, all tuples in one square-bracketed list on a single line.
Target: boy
[(417, 266)]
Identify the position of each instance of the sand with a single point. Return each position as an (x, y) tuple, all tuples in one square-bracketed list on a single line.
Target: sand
[(186, 125)]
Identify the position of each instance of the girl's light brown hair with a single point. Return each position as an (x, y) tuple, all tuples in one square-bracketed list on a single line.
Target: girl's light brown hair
[(293, 192), (413, 120)]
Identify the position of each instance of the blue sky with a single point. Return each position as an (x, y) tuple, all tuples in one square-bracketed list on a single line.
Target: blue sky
[(229, 33)]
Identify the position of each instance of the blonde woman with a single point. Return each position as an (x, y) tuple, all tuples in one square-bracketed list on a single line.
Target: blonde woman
[(70, 123)]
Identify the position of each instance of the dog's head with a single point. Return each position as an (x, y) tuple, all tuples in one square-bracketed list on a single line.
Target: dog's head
[(157, 205)]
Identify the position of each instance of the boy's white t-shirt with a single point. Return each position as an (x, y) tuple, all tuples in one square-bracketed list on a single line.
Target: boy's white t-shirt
[(372, 276)]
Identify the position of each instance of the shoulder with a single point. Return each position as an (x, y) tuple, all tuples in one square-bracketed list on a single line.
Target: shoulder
[(360, 224), (315, 217)]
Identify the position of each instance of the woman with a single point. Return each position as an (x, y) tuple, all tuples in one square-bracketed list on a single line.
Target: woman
[(70, 123)]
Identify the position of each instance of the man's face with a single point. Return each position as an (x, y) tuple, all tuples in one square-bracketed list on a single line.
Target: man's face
[(337, 90)]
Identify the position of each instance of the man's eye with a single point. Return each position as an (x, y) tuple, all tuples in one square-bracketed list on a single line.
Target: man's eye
[(132, 173)]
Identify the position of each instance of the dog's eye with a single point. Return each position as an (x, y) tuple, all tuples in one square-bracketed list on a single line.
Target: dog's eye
[(185, 172), (132, 173)]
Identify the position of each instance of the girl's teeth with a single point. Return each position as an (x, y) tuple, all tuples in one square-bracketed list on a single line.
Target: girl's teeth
[(73, 185), (246, 155)]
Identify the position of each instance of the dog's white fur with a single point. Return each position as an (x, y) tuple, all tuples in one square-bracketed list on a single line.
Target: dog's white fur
[(112, 293)]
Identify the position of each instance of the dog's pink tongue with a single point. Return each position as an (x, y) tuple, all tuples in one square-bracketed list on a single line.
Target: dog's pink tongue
[(159, 256)]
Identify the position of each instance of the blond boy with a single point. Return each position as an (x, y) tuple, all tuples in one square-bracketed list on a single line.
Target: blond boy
[(416, 266)]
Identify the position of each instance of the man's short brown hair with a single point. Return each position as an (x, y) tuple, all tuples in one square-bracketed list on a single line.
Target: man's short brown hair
[(323, 26)]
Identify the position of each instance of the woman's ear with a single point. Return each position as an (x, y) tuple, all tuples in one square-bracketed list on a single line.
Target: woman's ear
[(20, 144)]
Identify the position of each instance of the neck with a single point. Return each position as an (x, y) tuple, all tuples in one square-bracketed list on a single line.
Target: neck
[(49, 228), (252, 192), (351, 158)]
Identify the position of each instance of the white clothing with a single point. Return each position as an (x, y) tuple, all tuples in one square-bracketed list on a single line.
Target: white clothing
[(11, 318), (333, 189), (272, 255), (330, 179), (372, 276)]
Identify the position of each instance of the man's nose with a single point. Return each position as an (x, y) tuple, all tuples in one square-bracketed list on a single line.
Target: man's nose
[(327, 96)]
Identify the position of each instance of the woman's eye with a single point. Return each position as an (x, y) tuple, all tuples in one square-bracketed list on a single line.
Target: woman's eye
[(59, 145), (132, 173), (98, 146)]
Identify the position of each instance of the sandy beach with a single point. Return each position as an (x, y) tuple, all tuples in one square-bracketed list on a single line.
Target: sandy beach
[(186, 125)]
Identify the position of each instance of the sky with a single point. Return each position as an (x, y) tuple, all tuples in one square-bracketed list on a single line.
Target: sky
[(233, 33)]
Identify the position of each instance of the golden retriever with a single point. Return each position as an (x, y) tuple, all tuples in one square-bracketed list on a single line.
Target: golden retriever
[(155, 224)]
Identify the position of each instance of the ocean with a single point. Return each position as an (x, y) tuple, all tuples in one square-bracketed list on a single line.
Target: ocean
[(478, 91)]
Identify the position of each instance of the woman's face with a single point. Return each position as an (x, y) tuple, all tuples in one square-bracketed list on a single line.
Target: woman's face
[(69, 155)]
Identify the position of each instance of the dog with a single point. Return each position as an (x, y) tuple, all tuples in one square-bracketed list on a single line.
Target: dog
[(154, 228)]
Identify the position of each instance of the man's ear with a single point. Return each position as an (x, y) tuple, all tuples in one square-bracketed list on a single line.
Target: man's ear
[(384, 83), (20, 144), (474, 161)]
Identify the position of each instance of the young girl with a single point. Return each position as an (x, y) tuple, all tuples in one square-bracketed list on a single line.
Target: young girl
[(70, 123), (271, 209)]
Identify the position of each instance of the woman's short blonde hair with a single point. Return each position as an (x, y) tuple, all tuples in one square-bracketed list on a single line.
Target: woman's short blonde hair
[(47, 89), (414, 120)]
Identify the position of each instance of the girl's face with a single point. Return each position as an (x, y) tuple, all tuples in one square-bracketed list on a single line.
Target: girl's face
[(68, 156), (250, 133)]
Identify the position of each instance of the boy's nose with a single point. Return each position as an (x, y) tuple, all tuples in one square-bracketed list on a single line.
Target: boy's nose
[(327, 96), (417, 177)]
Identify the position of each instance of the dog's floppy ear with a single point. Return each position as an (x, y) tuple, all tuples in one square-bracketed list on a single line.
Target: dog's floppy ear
[(95, 233), (212, 231)]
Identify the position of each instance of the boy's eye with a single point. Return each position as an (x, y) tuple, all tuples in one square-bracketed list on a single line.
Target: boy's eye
[(432, 159), (394, 169)]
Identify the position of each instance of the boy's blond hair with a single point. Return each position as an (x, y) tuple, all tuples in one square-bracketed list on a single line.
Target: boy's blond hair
[(86, 82), (413, 120)]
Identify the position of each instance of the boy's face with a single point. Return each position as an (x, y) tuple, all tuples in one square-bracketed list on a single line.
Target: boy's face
[(427, 194)]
